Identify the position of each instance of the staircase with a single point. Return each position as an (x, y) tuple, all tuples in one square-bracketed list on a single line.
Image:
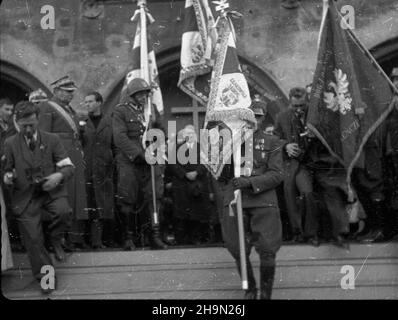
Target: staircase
[(303, 272)]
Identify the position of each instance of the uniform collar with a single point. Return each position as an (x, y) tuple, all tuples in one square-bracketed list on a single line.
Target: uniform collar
[(134, 106)]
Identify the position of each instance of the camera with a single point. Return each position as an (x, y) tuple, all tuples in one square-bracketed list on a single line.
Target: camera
[(35, 176)]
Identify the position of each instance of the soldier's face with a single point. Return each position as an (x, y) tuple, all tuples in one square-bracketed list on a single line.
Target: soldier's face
[(64, 95), (28, 125), (141, 98), (6, 111)]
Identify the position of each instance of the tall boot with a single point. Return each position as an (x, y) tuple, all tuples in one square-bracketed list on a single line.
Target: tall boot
[(251, 292), (156, 238), (157, 242), (377, 232), (109, 227), (128, 225), (267, 274), (96, 229)]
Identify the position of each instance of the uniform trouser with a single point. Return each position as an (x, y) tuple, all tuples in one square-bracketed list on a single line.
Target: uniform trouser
[(263, 230), (334, 191), (30, 222), (135, 186), (298, 178), (370, 190)]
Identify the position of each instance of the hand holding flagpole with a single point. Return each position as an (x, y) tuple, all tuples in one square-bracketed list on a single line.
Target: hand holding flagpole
[(148, 114), (222, 7)]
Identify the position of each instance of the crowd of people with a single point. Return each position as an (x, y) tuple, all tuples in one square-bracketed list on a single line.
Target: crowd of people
[(86, 182)]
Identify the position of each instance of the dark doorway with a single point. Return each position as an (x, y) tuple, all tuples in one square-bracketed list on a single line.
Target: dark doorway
[(16, 83), (386, 54), (10, 90)]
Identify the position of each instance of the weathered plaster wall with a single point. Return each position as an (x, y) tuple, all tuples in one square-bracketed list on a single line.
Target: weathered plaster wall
[(95, 52)]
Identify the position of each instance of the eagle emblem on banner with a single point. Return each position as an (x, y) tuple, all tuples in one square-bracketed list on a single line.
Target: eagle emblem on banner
[(339, 99), (231, 94)]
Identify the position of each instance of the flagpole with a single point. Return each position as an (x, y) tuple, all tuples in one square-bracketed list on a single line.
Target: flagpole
[(382, 117), (325, 6), (368, 54), (222, 6), (145, 75)]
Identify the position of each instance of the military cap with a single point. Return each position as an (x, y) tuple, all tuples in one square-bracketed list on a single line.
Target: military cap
[(259, 107), (38, 96), (299, 94), (64, 83), (394, 73)]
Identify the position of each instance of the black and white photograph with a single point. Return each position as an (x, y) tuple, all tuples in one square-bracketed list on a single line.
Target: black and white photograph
[(195, 154)]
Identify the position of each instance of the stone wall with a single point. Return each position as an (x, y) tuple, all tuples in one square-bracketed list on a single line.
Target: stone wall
[(96, 51)]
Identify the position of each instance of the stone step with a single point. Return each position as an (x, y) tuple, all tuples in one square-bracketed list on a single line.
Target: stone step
[(303, 272), (218, 254)]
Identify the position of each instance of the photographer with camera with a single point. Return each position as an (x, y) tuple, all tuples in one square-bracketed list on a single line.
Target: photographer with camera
[(36, 169), (290, 127)]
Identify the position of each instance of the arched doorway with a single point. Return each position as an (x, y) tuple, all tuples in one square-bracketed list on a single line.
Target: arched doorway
[(386, 54), (178, 105), (16, 83)]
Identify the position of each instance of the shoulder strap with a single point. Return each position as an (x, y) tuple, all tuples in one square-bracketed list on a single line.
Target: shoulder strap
[(65, 115)]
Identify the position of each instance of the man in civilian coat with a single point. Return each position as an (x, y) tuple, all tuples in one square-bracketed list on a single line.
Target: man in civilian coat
[(298, 181), (98, 155), (193, 212), (57, 116), (36, 170)]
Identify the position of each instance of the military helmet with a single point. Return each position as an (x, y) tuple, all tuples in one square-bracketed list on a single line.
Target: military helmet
[(259, 107), (394, 73), (137, 85)]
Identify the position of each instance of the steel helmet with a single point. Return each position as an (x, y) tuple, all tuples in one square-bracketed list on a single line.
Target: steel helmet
[(137, 85)]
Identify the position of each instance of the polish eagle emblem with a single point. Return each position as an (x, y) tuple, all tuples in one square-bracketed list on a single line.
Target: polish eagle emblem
[(339, 99)]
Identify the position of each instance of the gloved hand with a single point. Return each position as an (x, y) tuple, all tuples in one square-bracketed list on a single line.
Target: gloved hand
[(140, 159), (241, 183)]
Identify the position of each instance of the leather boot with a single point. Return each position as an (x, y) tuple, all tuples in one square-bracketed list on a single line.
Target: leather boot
[(128, 244), (377, 233), (96, 229), (267, 274), (251, 292), (128, 226), (156, 241)]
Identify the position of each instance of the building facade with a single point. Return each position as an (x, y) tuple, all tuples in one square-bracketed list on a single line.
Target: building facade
[(91, 41)]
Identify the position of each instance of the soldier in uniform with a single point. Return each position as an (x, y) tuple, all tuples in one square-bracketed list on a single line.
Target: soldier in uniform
[(260, 208), (134, 173), (57, 116), (290, 127)]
